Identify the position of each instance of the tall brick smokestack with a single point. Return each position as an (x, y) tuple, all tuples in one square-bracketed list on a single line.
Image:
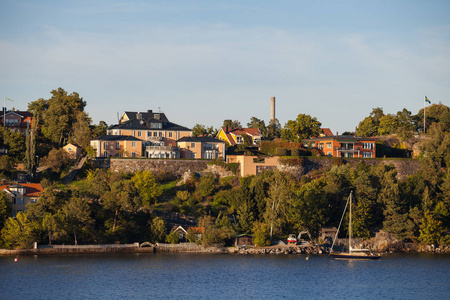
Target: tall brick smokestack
[(272, 109)]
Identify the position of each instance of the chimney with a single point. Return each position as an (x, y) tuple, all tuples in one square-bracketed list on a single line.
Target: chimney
[(272, 109)]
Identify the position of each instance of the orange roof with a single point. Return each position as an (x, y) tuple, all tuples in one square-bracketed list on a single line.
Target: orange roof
[(326, 132), (197, 229), (32, 189), (232, 132)]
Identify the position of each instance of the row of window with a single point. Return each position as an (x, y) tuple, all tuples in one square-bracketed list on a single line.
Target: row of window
[(139, 133)]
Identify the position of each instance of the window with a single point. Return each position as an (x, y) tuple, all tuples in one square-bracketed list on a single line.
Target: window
[(139, 133), (367, 154), (239, 140), (192, 145), (155, 133), (170, 134), (368, 146), (105, 145), (320, 146), (19, 201), (117, 146), (133, 144), (133, 154), (105, 154), (328, 145), (192, 155)]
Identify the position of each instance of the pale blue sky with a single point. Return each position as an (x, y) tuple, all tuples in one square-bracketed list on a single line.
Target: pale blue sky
[(206, 61)]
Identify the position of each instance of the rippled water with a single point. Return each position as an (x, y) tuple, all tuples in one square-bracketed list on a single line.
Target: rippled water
[(222, 276)]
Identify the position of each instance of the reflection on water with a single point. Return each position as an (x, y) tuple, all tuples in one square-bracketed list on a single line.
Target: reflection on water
[(200, 276)]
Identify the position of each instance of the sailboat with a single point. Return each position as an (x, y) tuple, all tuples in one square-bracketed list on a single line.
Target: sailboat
[(352, 253)]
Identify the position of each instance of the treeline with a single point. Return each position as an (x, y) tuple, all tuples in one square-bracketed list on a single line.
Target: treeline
[(110, 207)]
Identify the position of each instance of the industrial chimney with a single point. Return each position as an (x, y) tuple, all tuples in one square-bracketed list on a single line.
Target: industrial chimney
[(272, 109)]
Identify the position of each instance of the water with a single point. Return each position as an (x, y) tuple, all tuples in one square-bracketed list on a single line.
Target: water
[(222, 276)]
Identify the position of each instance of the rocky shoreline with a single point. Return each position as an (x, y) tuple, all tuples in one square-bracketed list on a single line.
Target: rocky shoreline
[(382, 242)]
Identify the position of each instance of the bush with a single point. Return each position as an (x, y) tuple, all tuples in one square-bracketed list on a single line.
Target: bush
[(172, 238)]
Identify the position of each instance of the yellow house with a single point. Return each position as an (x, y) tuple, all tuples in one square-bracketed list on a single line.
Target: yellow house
[(117, 146), (252, 165), (152, 128), (233, 136), (73, 150), (201, 147)]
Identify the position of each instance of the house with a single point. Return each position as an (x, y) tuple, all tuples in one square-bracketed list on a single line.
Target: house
[(242, 240), (233, 136), (252, 165), (74, 151), (154, 129), (201, 147), (183, 234), (344, 146), (22, 194), (117, 146), (17, 121)]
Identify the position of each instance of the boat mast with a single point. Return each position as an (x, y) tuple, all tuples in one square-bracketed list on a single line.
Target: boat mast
[(350, 226)]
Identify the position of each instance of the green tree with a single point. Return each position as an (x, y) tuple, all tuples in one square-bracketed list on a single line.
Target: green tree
[(437, 148), (301, 128), (5, 208), (202, 130), (59, 114), (273, 130), (158, 229), (430, 230), (231, 124), (15, 142), (261, 233), (388, 125), (366, 128), (77, 217), (19, 232), (98, 130), (56, 160), (147, 187), (81, 132)]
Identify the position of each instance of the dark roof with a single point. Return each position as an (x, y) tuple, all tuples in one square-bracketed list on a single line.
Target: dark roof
[(149, 114), (144, 124), (23, 114), (200, 139), (116, 138)]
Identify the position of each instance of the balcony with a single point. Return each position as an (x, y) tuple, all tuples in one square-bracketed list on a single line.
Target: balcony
[(155, 138), (161, 148)]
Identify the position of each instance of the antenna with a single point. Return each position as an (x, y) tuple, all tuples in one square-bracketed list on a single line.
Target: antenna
[(159, 109), (117, 117)]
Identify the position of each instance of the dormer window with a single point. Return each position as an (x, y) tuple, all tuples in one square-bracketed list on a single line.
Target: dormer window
[(156, 125)]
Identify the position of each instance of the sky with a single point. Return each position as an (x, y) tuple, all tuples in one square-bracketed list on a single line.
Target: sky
[(201, 62)]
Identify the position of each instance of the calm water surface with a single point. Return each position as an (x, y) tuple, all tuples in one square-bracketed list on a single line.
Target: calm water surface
[(222, 276)]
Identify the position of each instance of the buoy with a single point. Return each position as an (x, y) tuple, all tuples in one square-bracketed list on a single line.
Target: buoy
[(307, 258), (16, 259)]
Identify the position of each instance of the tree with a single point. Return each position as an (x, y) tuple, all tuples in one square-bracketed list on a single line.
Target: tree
[(147, 187), (15, 142), (231, 124), (202, 130), (59, 114), (56, 160), (98, 130), (437, 148), (77, 216), (302, 128), (388, 125), (81, 132), (430, 230), (19, 232), (366, 128), (158, 230), (259, 124), (5, 208), (273, 130)]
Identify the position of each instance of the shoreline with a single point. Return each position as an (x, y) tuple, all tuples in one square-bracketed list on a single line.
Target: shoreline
[(194, 248)]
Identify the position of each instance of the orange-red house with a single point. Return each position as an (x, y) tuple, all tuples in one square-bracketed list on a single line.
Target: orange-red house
[(22, 194), (344, 146), (233, 136)]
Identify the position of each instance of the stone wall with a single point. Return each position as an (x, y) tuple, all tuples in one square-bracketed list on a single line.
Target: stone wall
[(404, 167), (179, 167)]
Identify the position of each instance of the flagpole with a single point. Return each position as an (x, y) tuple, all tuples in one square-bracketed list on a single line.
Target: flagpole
[(424, 124)]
